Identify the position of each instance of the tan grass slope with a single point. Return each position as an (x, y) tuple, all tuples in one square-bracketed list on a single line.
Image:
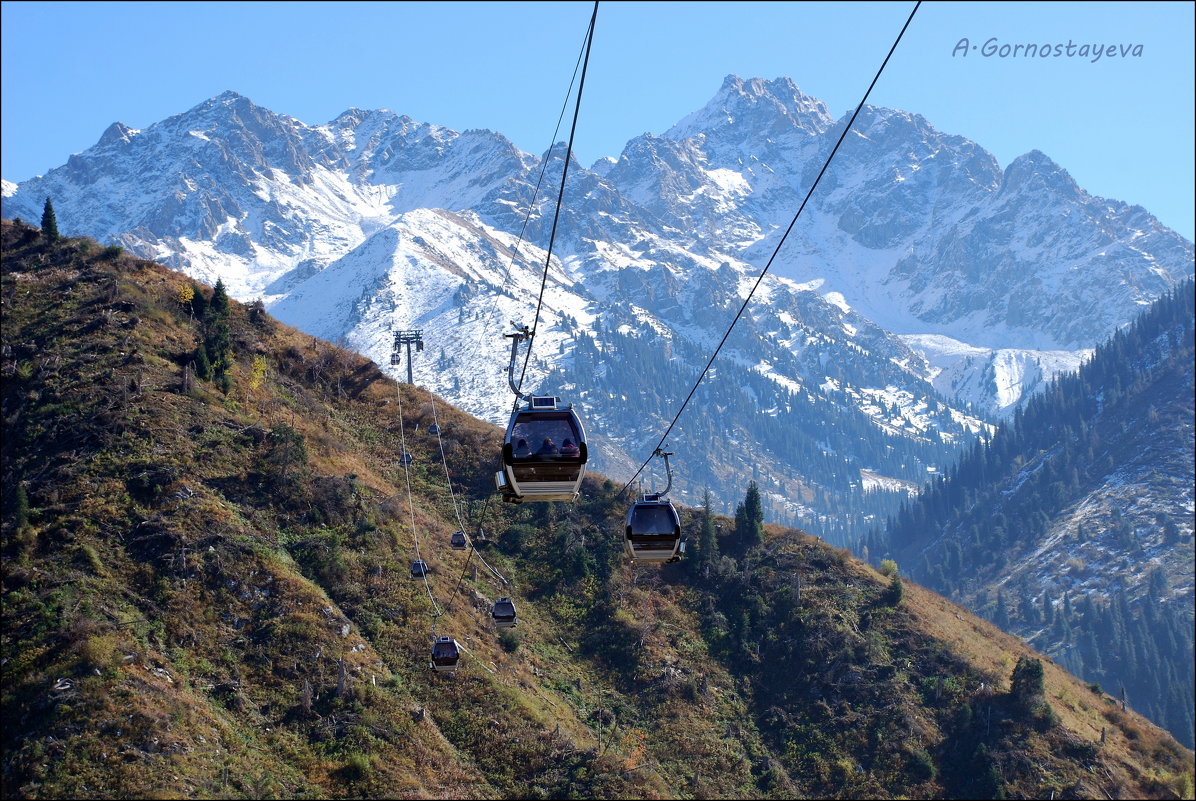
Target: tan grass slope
[(206, 594)]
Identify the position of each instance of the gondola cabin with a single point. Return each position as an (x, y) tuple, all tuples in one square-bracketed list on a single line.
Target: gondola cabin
[(458, 541), (434, 429), (445, 654), (405, 459), (653, 531), (419, 568), (504, 613), (544, 453)]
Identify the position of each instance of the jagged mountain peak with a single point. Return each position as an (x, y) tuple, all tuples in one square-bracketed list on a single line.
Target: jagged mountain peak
[(1036, 169), (229, 113), (226, 98), (117, 133), (776, 104)]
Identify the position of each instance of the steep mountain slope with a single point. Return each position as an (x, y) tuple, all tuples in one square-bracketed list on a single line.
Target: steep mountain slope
[(1073, 527), (374, 222), (206, 593)]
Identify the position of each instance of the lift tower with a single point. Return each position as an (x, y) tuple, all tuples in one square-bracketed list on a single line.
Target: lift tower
[(408, 338)]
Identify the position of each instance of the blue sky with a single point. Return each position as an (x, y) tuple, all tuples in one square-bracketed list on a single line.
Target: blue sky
[(1122, 126)]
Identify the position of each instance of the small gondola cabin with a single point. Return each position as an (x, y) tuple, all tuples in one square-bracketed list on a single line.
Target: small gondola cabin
[(445, 654), (653, 532), (419, 568), (458, 541), (504, 613), (544, 453)]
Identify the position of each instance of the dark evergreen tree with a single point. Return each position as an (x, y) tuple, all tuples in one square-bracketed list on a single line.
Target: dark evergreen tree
[(749, 520), (1027, 683), (199, 302), (203, 365), (49, 222), (707, 538), (219, 305), (1001, 618), (219, 344), (21, 516)]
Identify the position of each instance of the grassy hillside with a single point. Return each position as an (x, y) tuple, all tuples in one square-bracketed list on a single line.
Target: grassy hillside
[(1073, 528), (206, 593)]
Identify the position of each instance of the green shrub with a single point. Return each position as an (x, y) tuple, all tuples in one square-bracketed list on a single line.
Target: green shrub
[(357, 767), (1027, 683), (920, 766)]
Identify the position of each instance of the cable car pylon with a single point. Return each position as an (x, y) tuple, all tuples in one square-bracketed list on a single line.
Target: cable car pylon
[(408, 338)]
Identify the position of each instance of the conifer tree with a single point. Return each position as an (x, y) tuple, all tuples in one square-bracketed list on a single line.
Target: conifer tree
[(199, 302), (220, 349), (203, 365), (707, 538), (49, 222), (1001, 618), (21, 518), (749, 520), (1027, 684), (219, 304)]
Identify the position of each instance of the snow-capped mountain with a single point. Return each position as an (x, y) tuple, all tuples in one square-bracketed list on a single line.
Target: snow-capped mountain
[(921, 279)]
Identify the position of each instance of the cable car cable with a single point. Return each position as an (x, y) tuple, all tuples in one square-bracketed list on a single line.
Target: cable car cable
[(436, 610), (777, 249), (536, 191), (561, 193), (453, 499)]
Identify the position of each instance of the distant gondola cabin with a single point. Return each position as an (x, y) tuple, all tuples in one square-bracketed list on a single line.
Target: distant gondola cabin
[(504, 613), (445, 654), (653, 531)]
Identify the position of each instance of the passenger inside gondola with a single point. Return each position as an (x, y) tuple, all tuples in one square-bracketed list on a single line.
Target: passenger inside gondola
[(654, 520), (569, 449), (548, 430)]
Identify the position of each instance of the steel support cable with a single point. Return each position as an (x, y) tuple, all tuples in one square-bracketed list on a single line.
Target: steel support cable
[(436, 611), (540, 180), (777, 249), (507, 583), (453, 497), (463, 569), (560, 196)]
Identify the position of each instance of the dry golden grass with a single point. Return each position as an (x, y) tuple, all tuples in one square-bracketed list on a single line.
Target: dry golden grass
[(230, 589)]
